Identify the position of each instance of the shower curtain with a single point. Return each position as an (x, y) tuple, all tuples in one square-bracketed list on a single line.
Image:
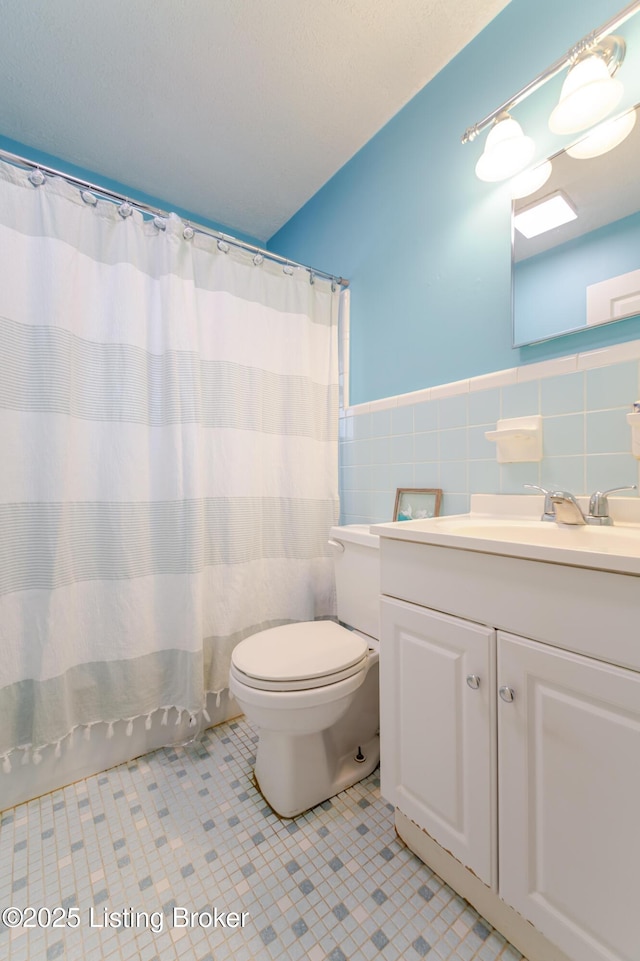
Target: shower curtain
[(168, 424)]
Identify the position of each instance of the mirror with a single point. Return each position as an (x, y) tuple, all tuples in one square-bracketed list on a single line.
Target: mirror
[(587, 271)]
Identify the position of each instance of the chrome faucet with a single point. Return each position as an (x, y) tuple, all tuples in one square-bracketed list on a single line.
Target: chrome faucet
[(599, 505), (548, 513), (562, 507), (567, 509)]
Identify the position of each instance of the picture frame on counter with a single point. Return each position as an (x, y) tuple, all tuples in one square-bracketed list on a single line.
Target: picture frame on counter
[(417, 503)]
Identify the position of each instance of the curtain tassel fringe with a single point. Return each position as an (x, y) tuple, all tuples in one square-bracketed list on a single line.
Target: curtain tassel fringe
[(31, 753)]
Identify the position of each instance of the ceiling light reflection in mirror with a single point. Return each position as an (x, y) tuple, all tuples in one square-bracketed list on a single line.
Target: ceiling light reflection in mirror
[(604, 137), (527, 182), (559, 273), (543, 215)]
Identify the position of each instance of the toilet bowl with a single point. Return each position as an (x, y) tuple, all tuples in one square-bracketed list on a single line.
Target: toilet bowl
[(311, 689)]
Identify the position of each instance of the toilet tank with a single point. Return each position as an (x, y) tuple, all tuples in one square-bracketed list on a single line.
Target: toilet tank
[(357, 570)]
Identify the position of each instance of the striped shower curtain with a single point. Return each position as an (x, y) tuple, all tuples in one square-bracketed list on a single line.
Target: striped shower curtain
[(168, 427)]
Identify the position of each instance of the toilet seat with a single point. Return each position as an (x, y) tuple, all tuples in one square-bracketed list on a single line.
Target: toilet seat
[(299, 657)]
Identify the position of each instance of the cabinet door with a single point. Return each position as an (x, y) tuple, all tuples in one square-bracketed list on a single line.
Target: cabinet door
[(437, 737), (569, 798)]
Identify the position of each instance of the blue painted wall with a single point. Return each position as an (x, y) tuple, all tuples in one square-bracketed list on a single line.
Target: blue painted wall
[(47, 160), (549, 288), (425, 244)]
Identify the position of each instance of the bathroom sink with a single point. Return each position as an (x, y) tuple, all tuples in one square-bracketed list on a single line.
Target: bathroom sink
[(614, 548), (610, 540)]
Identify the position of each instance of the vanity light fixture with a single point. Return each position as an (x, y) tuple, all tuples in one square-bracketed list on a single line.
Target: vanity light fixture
[(545, 214), (590, 92), (506, 152), (604, 137), (530, 180)]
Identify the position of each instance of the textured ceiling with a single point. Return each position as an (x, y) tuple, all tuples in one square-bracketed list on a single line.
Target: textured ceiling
[(237, 109)]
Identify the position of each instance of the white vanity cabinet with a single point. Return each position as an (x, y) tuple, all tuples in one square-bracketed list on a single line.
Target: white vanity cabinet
[(569, 798), (522, 792), (437, 675)]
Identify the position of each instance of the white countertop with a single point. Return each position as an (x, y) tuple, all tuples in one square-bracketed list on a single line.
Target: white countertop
[(510, 525)]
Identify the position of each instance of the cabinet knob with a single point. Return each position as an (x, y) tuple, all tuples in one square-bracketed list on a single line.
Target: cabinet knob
[(506, 693), (473, 681)]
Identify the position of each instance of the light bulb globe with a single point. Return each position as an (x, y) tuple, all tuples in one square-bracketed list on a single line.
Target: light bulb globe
[(604, 137), (588, 95), (507, 151)]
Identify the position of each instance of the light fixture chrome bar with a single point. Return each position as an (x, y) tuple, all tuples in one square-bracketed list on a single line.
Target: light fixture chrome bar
[(585, 44), (18, 161)]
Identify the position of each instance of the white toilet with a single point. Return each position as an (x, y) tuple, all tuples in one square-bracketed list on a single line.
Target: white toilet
[(311, 689)]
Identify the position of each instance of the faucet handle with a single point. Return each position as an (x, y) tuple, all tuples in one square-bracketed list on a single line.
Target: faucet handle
[(548, 510), (598, 505)]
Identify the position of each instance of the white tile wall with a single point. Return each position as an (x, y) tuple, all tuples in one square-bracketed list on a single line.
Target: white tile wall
[(435, 437)]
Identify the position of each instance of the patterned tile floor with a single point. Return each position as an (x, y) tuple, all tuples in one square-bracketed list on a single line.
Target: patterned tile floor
[(184, 828)]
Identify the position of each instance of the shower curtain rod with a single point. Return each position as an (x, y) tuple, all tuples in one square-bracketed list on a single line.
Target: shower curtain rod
[(158, 212)]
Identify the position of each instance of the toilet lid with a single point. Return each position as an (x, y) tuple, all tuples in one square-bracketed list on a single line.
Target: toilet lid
[(299, 652)]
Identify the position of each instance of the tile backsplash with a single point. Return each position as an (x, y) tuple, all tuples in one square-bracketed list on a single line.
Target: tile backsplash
[(435, 437)]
